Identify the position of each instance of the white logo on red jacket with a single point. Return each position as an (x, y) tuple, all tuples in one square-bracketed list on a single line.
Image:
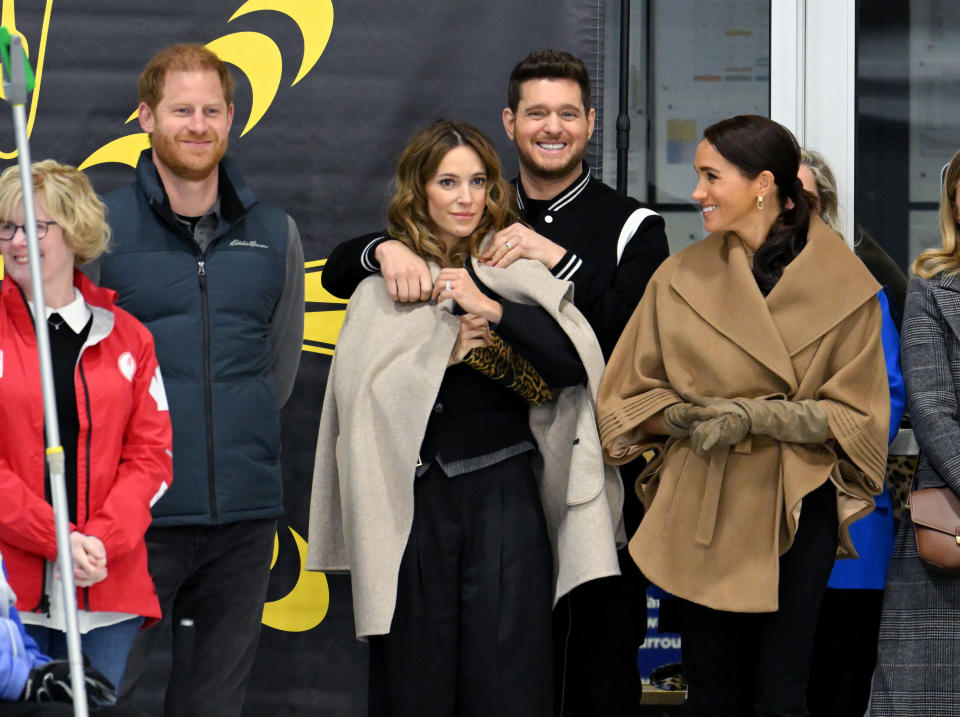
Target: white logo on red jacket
[(127, 365), (158, 392)]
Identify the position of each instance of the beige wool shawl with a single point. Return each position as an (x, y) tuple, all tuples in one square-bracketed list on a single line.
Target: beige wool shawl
[(383, 380), (716, 526)]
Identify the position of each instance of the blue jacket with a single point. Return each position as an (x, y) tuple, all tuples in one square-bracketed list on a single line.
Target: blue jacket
[(873, 535), (18, 652), (209, 312)]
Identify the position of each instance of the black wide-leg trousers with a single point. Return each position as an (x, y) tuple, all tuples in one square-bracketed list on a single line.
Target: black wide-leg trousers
[(471, 631)]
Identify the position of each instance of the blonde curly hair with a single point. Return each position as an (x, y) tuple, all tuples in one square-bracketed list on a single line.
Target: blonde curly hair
[(68, 197)]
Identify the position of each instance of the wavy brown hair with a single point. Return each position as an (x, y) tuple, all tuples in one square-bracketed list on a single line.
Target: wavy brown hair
[(407, 217), (947, 258)]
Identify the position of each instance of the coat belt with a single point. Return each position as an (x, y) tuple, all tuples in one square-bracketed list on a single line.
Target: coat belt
[(710, 504)]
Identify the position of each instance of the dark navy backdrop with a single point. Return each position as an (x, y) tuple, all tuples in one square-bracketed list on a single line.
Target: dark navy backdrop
[(324, 149)]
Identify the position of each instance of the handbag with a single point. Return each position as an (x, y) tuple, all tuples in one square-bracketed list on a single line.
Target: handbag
[(935, 513)]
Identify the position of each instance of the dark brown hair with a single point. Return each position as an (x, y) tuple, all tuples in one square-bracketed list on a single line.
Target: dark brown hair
[(754, 144), (548, 64)]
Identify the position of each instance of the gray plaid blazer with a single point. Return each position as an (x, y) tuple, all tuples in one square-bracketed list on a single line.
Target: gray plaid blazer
[(918, 663)]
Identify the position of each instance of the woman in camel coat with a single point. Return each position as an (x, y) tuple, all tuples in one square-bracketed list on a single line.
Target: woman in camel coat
[(754, 364)]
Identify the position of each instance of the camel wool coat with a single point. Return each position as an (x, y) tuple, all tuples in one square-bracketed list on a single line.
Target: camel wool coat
[(385, 375), (716, 525)]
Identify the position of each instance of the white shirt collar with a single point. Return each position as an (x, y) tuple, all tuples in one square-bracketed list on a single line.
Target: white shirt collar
[(75, 314)]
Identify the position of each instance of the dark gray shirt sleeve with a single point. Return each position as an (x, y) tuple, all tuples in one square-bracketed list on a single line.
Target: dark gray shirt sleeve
[(286, 324)]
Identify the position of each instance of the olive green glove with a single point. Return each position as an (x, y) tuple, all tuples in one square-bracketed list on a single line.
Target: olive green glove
[(678, 418), (727, 429), (790, 421)]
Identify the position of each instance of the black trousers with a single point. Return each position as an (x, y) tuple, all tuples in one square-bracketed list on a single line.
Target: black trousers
[(217, 576), (740, 664), (844, 652), (471, 629), (598, 628)]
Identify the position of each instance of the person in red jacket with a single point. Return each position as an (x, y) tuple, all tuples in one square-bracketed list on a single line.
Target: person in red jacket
[(113, 418)]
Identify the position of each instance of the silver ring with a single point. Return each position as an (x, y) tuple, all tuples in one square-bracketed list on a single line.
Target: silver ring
[(507, 244), (447, 287)]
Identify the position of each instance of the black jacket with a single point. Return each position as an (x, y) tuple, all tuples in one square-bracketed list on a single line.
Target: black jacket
[(613, 247)]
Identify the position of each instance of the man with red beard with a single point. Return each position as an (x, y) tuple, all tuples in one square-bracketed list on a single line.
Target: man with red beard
[(217, 277), (608, 245)]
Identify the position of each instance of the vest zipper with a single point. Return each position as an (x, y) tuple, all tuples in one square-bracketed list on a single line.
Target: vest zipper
[(207, 389)]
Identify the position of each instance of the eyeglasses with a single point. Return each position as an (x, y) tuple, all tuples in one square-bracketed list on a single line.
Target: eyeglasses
[(8, 230)]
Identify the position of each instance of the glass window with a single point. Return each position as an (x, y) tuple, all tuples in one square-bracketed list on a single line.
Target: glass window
[(908, 119), (693, 62)]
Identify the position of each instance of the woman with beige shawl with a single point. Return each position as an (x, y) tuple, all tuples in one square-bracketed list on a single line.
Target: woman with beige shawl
[(459, 475), (753, 364)]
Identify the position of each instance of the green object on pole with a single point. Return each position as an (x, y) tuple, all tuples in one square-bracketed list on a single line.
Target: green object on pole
[(5, 38)]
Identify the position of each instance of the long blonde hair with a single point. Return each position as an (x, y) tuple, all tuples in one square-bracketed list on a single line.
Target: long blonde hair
[(947, 258), (407, 217)]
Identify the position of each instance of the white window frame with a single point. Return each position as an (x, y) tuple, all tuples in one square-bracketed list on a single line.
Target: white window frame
[(813, 84)]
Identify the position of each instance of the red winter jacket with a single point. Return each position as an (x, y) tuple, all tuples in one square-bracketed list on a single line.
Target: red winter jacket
[(124, 458)]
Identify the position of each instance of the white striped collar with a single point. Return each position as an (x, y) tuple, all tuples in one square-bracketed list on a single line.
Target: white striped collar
[(572, 193), (565, 197)]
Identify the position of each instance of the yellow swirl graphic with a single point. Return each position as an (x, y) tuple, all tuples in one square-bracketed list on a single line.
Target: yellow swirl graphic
[(313, 17), (8, 20), (325, 312), (253, 53), (258, 57), (305, 606), (125, 150)]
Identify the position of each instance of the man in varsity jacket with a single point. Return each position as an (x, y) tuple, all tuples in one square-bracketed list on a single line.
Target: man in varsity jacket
[(608, 245)]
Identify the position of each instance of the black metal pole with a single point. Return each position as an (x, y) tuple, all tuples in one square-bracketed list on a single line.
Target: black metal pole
[(623, 116)]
